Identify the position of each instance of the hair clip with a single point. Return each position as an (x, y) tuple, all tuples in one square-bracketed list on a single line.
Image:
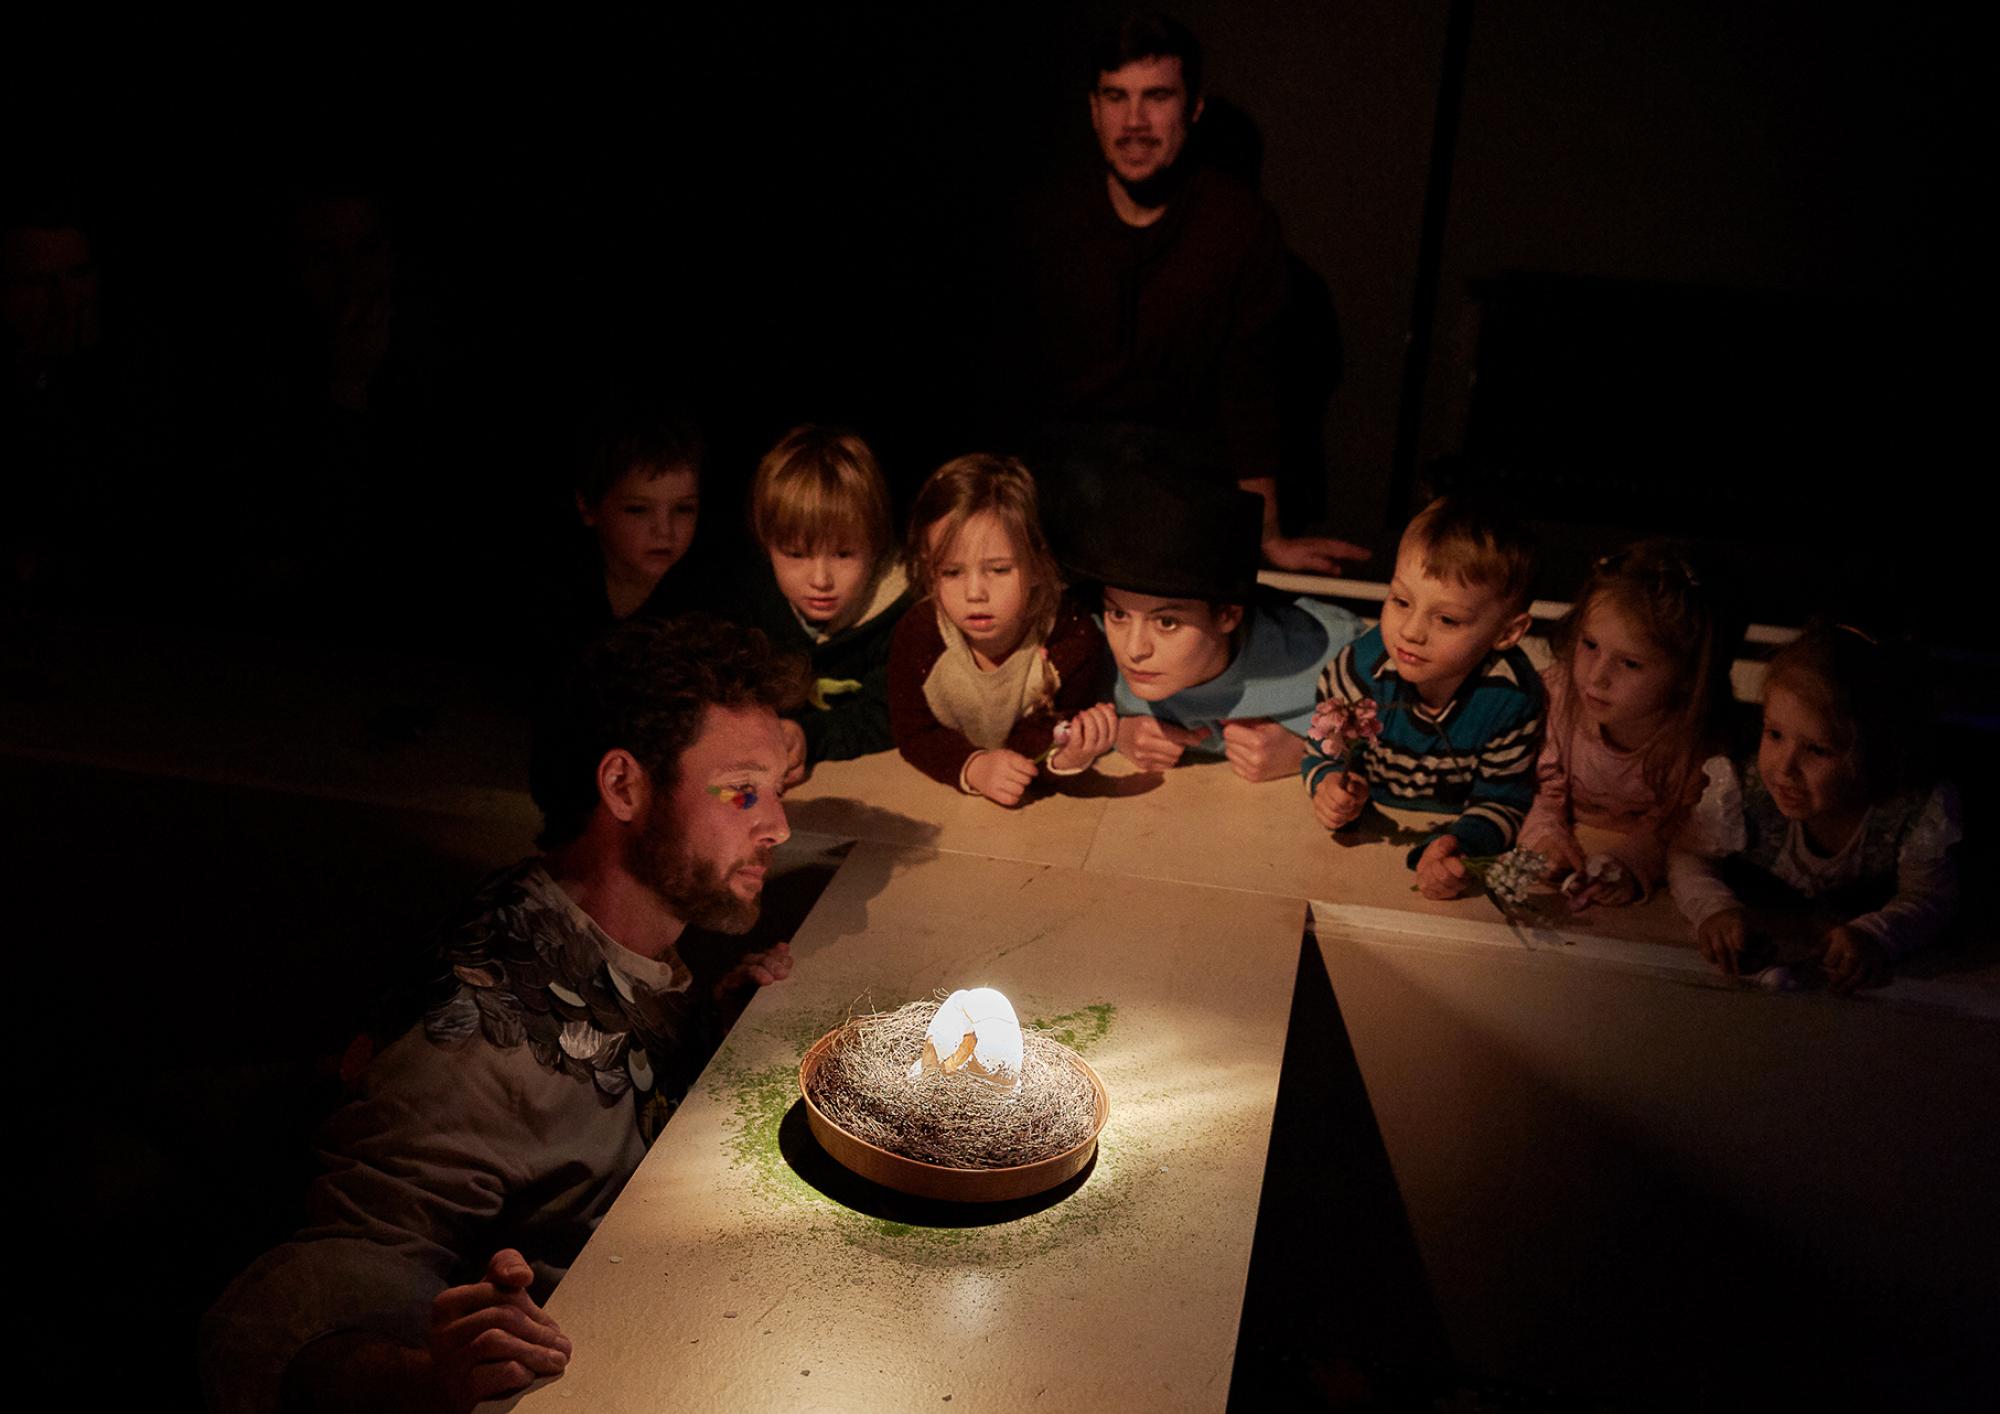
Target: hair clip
[(742, 797), (1868, 638)]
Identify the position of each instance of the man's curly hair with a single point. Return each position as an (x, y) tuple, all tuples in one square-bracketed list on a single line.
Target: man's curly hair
[(645, 685)]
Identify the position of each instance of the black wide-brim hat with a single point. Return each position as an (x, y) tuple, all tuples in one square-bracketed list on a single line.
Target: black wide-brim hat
[(1135, 509)]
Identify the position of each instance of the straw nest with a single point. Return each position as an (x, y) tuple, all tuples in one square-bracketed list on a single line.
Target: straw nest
[(956, 1120)]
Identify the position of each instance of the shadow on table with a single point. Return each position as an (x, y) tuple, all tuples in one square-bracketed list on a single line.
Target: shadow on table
[(1092, 785), (824, 1173), (1376, 827), (852, 818)]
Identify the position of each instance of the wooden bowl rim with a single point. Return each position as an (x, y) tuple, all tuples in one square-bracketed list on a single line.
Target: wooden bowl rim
[(814, 1053)]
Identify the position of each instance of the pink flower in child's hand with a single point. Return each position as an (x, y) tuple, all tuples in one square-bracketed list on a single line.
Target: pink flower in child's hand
[(1338, 724), (1063, 732), (1327, 721)]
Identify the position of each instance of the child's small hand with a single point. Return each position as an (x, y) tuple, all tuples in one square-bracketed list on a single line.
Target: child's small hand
[(1565, 854), (1154, 745), (1853, 959), (1721, 939), (1001, 776), (1258, 749), (795, 752), (753, 970), (1092, 732), (1440, 872), (1616, 892), (1339, 798)]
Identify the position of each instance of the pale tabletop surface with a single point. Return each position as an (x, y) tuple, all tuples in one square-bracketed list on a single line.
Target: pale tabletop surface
[(724, 1280), (1196, 824)]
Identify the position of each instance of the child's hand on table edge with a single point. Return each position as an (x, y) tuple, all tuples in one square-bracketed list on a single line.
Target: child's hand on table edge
[(1853, 959), (1440, 873), (1339, 799), (1002, 776)]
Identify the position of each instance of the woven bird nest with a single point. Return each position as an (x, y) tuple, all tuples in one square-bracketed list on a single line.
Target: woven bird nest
[(955, 1135)]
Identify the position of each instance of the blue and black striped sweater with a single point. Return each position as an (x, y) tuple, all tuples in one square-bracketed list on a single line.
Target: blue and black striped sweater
[(1475, 757)]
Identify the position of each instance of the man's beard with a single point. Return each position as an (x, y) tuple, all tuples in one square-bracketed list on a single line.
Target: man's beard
[(1159, 189), (696, 892)]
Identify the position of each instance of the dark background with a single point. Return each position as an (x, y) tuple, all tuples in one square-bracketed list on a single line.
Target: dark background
[(1700, 268), (1703, 267)]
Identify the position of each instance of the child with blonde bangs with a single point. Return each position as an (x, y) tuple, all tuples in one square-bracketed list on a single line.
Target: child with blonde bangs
[(1456, 703), (984, 668), (1638, 694), (828, 584), (1823, 850)]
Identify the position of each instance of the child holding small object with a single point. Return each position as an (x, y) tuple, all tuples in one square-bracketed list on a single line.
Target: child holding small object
[(994, 677), (1456, 706), (1823, 833), (1637, 695), (829, 584)]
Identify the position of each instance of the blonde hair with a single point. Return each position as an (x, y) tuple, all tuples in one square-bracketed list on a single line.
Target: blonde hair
[(1467, 540), (817, 485), (1682, 610), (993, 485)]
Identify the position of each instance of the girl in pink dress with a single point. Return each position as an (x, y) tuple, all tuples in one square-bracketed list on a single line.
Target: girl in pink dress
[(1638, 694)]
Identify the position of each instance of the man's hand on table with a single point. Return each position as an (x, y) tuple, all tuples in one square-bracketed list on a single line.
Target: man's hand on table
[(1258, 749), (1312, 554), (490, 1338), (1154, 745)]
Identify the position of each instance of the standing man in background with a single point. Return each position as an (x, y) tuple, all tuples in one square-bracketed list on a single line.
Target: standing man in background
[(1154, 286)]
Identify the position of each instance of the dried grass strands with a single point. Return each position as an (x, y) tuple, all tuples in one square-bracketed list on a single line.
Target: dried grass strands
[(956, 1120)]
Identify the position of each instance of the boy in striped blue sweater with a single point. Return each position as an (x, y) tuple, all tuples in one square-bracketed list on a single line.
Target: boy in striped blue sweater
[(1459, 704)]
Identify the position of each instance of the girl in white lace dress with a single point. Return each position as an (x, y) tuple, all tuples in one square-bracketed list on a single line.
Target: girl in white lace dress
[(1821, 849)]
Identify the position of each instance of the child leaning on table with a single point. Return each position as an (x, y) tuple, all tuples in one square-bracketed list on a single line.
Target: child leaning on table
[(637, 548), (1638, 693), (983, 668), (1823, 831), (828, 585), (1457, 703)]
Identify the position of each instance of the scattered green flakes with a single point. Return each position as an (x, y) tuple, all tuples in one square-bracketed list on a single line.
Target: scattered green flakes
[(760, 1097), (1080, 1029)]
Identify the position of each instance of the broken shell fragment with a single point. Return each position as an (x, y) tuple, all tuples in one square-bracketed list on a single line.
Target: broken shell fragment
[(975, 1031)]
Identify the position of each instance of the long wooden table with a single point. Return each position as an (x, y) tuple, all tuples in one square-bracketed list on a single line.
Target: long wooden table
[(739, 1270)]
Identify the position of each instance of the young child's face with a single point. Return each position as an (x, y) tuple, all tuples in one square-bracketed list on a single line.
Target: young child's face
[(1621, 677), (646, 521), (1439, 630), (1809, 772), (981, 584), (1165, 646), (824, 582)]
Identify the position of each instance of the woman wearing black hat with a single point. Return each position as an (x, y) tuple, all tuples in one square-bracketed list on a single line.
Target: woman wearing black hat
[(1207, 662)]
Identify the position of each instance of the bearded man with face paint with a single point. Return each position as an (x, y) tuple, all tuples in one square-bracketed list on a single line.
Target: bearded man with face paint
[(1153, 284), (486, 1141)]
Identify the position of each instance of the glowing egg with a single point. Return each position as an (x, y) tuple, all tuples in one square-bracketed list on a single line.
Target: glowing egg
[(975, 1030)]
